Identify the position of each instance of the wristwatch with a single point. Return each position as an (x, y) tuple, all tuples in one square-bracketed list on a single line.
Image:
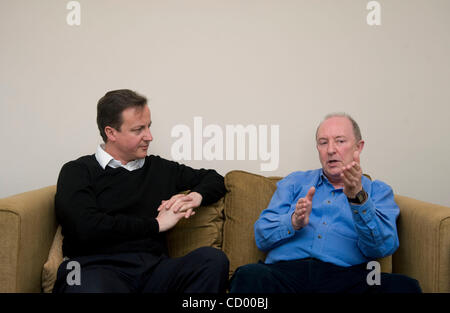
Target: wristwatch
[(360, 197)]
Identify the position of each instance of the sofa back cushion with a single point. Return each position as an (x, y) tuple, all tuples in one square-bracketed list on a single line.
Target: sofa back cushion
[(202, 229), (247, 196)]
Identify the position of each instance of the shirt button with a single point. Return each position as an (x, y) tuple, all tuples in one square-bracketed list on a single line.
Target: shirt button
[(332, 193), (289, 232), (328, 201), (324, 223), (364, 211), (320, 237)]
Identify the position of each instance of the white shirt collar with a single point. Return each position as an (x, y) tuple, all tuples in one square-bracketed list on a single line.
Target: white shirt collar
[(105, 159)]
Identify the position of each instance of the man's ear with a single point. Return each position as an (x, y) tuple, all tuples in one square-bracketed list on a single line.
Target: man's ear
[(360, 146), (110, 133)]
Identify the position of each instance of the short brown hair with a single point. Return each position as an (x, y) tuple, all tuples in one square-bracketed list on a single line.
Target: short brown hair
[(111, 106)]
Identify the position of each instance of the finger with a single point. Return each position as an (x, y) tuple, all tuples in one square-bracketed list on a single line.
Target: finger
[(349, 183), (356, 172), (179, 204), (189, 213), (346, 180), (196, 201), (356, 156), (185, 207), (352, 170), (178, 201), (161, 205), (349, 166), (299, 212), (349, 178), (348, 170), (310, 194), (358, 167), (172, 200), (300, 203)]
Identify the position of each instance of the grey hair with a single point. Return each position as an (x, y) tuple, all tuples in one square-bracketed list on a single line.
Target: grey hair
[(356, 129)]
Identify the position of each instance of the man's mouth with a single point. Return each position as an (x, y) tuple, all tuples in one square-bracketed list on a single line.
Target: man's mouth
[(333, 162)]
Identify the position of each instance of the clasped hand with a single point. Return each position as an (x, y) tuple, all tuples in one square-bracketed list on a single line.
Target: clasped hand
[(177, 207)]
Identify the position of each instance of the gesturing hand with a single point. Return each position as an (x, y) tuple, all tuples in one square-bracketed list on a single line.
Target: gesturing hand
[(351, 175), (300, 217)]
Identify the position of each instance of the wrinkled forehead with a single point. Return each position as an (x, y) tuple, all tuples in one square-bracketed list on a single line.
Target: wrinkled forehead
[(334, 127)]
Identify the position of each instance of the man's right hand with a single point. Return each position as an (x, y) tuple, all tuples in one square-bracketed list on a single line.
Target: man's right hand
[(300, 217), (168, 218)]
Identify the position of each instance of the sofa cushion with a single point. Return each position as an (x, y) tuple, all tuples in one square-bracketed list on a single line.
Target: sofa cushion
[(247, 195), (202, 229), (55, 258)]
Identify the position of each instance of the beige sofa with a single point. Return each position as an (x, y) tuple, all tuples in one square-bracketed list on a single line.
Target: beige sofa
[(30, 245)]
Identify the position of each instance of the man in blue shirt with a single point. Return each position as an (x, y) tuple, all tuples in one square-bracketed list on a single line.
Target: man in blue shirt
[(323, 226)]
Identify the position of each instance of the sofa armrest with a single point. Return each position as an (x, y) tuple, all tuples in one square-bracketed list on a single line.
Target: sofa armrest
[(27, 228), (424, 252)]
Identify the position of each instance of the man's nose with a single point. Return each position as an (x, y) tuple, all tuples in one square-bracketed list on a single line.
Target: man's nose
[(148, 135), (331, 148)]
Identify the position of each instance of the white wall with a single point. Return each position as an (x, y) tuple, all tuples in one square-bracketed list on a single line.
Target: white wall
[(261, 62)]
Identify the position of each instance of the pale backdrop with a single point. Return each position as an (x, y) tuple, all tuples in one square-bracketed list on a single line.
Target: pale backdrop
[(230, 62)]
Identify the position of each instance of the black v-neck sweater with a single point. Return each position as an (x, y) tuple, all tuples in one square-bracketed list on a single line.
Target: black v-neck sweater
[(113, 210)]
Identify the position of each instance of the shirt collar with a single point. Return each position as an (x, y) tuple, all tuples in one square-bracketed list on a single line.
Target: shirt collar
[(323, 179), (105, 159)]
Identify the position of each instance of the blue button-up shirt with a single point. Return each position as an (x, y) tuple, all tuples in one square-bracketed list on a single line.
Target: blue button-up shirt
[(338, 232)]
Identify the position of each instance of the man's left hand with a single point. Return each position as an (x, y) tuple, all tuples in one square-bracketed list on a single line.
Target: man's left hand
[(351, 175), (182, 203)]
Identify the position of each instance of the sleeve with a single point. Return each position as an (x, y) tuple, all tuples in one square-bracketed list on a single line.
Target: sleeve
[(274, 225), (206, 182), (375, 222), (77, 212)]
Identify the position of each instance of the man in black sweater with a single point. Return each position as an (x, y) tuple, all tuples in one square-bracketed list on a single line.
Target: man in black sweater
[(115, 206)]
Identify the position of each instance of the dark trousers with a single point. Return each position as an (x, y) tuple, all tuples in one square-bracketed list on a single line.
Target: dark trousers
[(204, 270), (314, 276)]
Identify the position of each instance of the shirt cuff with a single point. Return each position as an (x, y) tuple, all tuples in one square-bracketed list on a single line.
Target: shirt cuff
[(286, 221), (363, 212)]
